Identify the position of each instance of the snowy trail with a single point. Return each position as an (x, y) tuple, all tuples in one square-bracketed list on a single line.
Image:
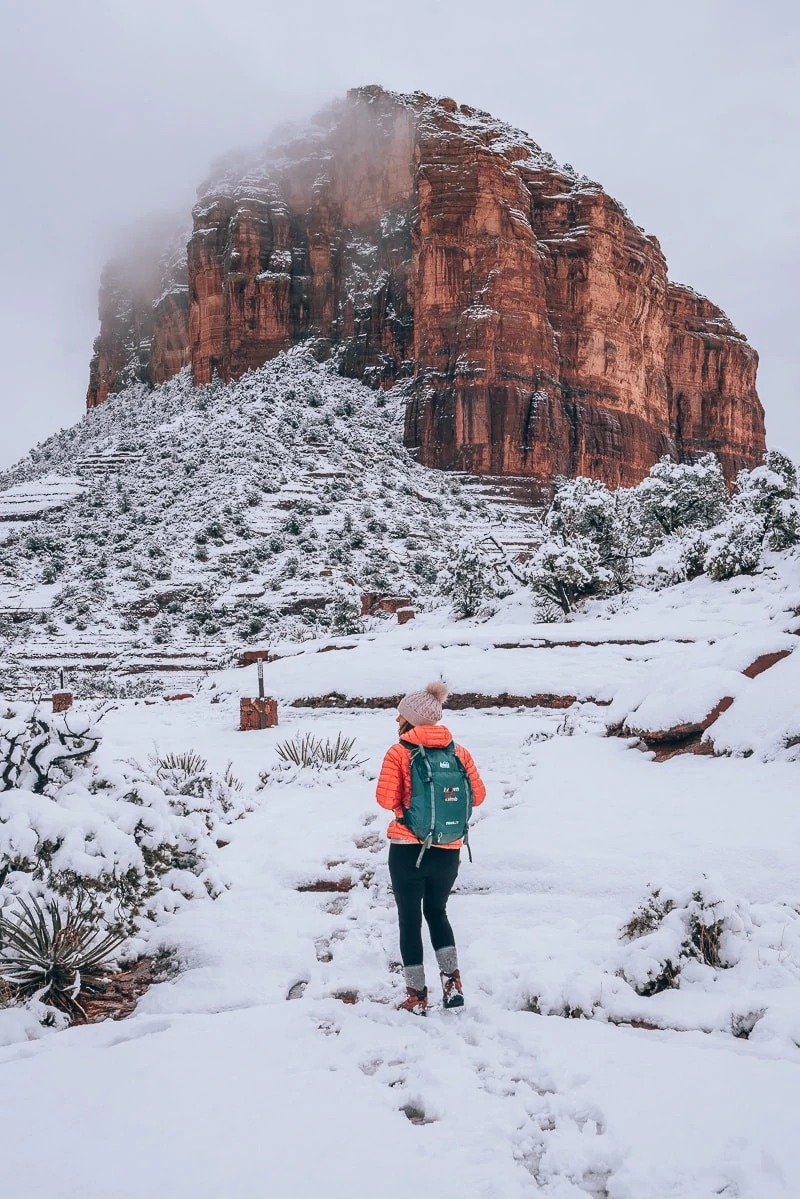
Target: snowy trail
[(218, 1085)]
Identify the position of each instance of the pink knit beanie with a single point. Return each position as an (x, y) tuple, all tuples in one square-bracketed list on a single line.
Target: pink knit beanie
[(424, 707)]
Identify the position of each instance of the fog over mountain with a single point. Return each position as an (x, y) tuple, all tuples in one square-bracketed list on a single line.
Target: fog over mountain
[(113, 114)]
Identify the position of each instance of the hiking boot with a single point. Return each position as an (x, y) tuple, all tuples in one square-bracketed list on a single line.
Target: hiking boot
[(452, 995), (415, 1001)]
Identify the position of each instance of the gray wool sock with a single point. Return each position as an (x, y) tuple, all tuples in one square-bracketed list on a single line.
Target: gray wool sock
[(415, 977), (447, 959)]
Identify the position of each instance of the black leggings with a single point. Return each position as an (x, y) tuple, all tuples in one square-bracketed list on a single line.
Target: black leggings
[(422, 891)]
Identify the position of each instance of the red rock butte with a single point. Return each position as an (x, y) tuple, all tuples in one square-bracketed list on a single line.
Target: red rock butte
[(419, 241)]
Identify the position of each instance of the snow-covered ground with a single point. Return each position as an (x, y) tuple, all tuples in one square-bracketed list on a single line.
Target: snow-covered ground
[(629, 931), (250, 1073)]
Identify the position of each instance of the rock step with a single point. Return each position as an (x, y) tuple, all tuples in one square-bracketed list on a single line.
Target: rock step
[(457, 701), (107, 463)]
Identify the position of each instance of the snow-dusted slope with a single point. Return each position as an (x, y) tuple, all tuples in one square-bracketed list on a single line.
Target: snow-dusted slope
[(209, 518)]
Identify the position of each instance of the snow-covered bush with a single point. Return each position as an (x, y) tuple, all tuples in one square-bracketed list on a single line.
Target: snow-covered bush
[(678, 495), (39, 750), (763, 514), (467, 579), (584, 510), (564, 573), (112, 686), (673, 928), (769, 494), (693, 552), (203, 796), (134, 842), (344, 611), (735, 546), (587, 547)]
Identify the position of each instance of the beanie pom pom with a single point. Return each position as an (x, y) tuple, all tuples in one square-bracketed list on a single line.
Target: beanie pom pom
[(438, 691)]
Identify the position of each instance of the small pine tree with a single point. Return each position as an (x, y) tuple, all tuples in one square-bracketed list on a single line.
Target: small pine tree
[(162, 629), (467, 580), (344, 611)]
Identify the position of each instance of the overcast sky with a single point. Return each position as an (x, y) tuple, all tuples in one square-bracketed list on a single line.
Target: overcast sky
[(688, 111)]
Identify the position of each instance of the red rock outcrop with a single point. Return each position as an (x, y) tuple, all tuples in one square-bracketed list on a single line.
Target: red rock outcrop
[(711, 382), (144, 316), (419, 240)]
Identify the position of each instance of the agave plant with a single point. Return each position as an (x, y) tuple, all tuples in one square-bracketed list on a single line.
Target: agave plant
[(55, 955)]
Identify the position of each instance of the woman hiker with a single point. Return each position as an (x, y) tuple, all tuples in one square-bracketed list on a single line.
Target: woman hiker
[(423, 868)]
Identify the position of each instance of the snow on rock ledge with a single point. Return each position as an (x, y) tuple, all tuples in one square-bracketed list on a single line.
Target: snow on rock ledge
[(25, 501), (684, 703), (765, 719)]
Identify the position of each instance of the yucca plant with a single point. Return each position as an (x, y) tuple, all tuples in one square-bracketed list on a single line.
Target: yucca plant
[(231, 780), (53, 955), (299, 751), (310, 751), (188, 764), (339, 752)]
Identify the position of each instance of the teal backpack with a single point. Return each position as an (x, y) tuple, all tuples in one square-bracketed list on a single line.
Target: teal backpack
[(441, 797)]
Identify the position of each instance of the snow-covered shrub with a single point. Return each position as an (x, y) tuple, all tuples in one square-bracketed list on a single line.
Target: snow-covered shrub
[(673, 928), (588, 546), (162, 629), (763, 514), (770, 494), (344, 612), (678, 495), (582, 507), (693, 554), (735, 546), (134, 843), (202, 795), (39, 750), (111, 686), (467, 579), (564, 573)]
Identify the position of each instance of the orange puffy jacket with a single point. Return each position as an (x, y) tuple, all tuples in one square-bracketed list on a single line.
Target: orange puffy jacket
[(394, 782)]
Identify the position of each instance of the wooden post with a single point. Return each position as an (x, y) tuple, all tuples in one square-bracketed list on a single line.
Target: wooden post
[(262, 724)]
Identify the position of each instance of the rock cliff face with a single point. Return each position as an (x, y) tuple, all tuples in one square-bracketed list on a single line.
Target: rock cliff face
[(420, 240), (144, 316)]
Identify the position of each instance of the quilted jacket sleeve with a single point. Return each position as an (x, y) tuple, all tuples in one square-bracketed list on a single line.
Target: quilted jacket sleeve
[(390, 789), (478, 787)]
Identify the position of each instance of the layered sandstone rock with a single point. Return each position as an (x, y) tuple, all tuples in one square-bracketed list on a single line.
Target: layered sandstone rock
[(144, 315), (418, 240)]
